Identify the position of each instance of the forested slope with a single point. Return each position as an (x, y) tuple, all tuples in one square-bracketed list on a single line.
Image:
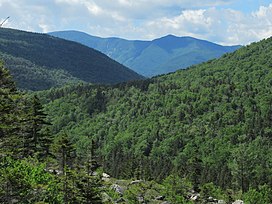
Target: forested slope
[(206, 129), (39, 61), (209, 123)]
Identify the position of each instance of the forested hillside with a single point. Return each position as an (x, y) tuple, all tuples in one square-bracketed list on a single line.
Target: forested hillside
[(203, 130), (150, 58), (39, 61), (210, 124)]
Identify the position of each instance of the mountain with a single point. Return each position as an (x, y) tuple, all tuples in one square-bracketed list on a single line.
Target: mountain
[(150, 58), (39, 61), (201, 133), (210, 124)]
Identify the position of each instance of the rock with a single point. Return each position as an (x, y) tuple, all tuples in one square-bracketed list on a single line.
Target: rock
[(140, 199), (195, 197), (136, 182), (221, 202), (14, 201), (118, 189), (238, 202), (210, 199), (160, 198), (120, 200), (58, 172), (104, 175), (94, 173), (105, 179)]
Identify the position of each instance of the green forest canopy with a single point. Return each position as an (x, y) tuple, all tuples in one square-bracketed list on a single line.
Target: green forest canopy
[(209, 123)]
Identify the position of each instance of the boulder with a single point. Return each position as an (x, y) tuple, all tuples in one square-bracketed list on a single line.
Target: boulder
[(210, 199), (105, 179), (195, 197), (118, 189), (120, 200), (160, 198), (136, 182), (95, 173), (238, 202), (140, 199), (104, 175)]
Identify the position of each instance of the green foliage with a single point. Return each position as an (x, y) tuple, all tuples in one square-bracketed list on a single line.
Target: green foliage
[(30, 76), (209, 124), (27, 182), (260, 196), (23, 178), (176, 189), (210, 190), (9, 113)]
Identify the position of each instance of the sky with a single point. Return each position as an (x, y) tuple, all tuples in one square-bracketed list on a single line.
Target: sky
[(227, 22)]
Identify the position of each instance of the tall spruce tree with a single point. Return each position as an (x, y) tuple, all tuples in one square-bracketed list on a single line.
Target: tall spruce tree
[(9, 113), (65, 154), (35, 141)]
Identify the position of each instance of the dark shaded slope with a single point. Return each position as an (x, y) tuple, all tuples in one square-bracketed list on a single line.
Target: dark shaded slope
[(79, 61)]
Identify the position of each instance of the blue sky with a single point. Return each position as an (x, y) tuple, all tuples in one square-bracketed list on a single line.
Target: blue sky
[(247, 6), (225, 22)]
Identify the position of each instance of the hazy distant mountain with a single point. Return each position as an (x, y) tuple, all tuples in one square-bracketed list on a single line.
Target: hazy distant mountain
[(149, 58), (40, 61)]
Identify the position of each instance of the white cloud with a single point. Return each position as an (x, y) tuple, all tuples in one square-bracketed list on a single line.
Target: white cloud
[(225, 26), (263, 12), (93, 8), (141, 19)]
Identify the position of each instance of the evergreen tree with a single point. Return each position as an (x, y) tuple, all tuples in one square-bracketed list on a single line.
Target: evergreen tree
[(65, 153), (35, 141), (90, 183), (9, 113)]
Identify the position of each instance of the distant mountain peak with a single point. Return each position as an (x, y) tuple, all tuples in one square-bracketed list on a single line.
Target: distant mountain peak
[(170, 36), (159, 56), (167, 37)]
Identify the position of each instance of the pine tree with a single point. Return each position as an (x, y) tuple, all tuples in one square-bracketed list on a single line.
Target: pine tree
[(35, 141), (90, 183), (65, 153), (9, 113)]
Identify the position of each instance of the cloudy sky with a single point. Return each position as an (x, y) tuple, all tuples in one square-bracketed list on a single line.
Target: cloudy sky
[(222, 21)]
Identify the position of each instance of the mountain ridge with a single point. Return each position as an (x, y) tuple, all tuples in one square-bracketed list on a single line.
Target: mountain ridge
[(153, 57), (79, 61)]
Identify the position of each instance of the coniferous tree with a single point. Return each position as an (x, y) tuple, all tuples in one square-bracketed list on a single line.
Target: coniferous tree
[(90, 183), (65, 154), (36, 141), (9, 113)]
